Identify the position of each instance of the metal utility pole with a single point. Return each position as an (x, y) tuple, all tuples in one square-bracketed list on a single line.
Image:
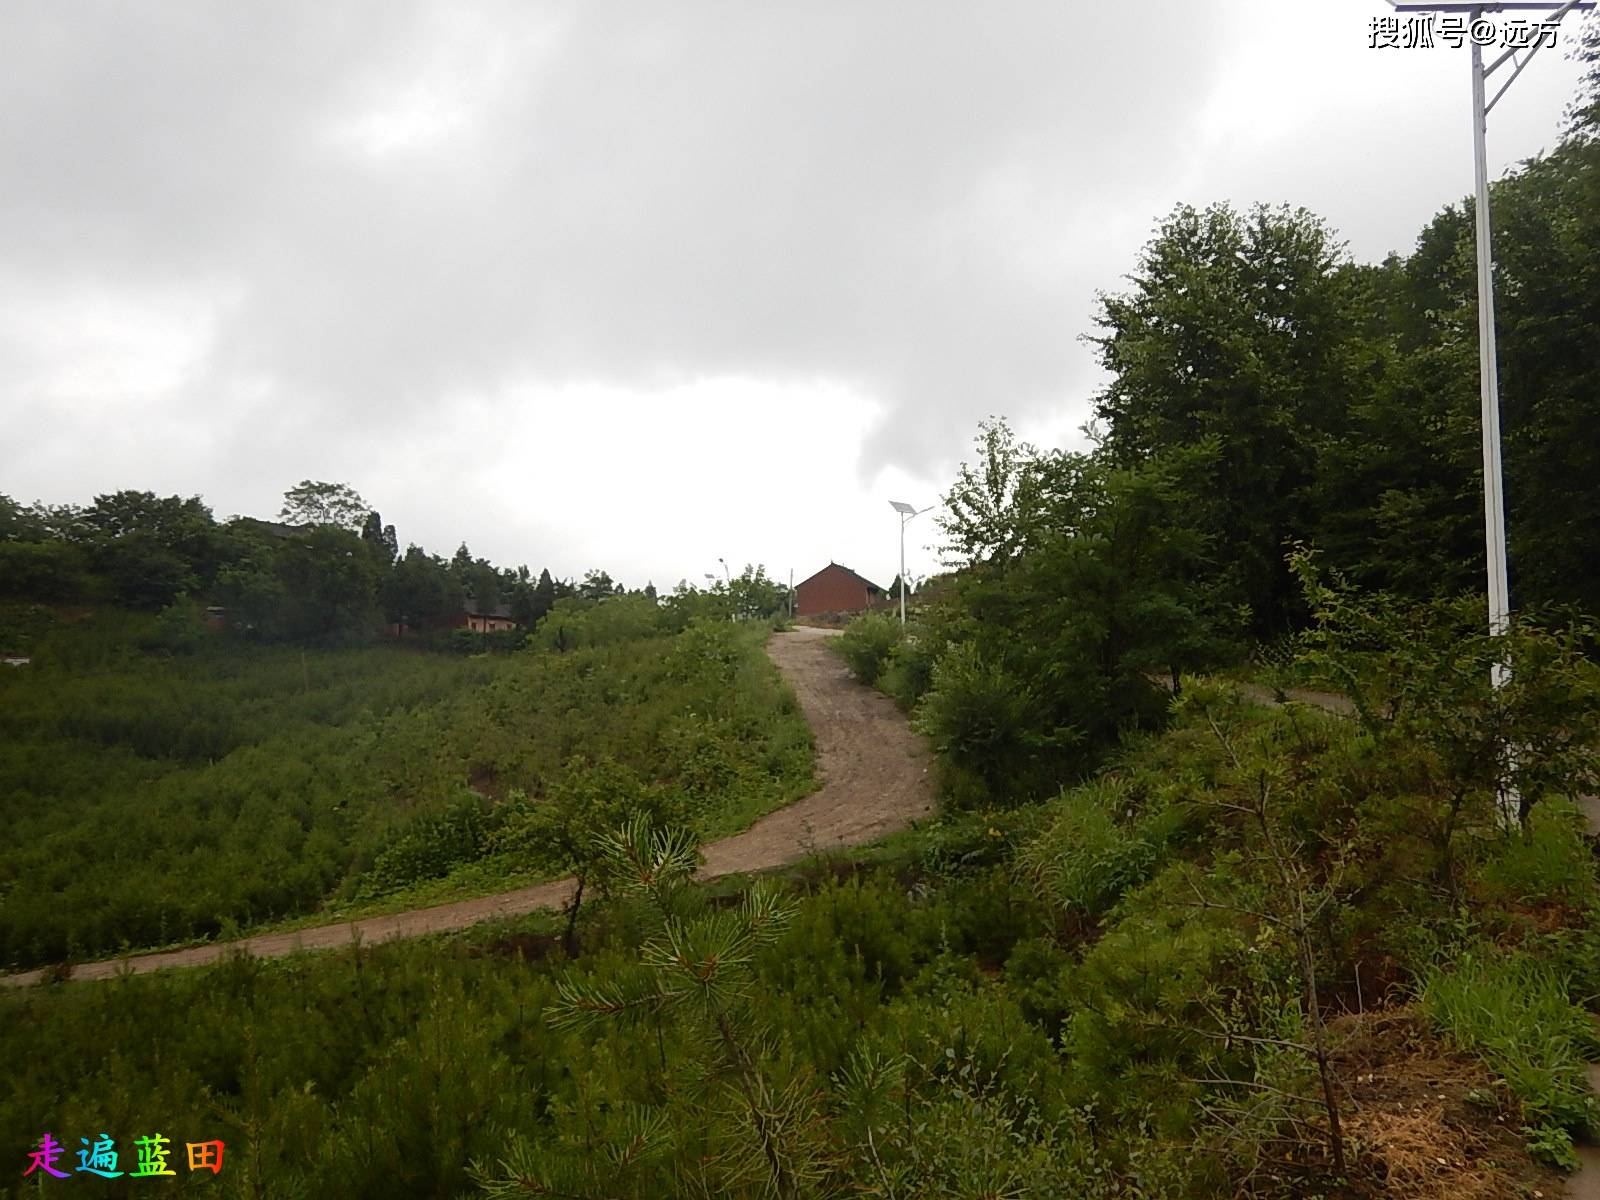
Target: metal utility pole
[(1494, 504), (906, 512)]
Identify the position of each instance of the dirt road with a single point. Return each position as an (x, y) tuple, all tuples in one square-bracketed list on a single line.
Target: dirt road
[(874, 774)]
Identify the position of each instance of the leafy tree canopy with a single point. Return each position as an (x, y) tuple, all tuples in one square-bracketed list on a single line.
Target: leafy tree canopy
[(315, 502)]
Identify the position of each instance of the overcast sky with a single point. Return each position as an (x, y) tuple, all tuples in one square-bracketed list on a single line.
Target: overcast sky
[(642, 285)]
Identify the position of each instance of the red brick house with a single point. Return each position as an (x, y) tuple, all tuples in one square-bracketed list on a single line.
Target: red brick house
[(835, 589)]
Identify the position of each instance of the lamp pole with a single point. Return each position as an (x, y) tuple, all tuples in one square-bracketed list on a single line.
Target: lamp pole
[(1494, 504), (906, 512), (728, 576)]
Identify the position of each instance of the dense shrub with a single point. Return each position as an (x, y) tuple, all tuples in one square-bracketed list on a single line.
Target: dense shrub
[(573, 623), (429, 847), (909, 672), (983, 721), (867, 644), (260, 782), (48, 571), (1087, 858)]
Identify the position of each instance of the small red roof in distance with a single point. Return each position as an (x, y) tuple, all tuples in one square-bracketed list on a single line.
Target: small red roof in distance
[(833, 566)]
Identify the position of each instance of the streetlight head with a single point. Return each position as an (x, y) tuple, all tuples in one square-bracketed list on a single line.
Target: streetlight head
[(900, 506)]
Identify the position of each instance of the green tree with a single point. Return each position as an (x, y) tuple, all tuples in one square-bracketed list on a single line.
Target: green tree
[(597, 585), (381, 538), (321, 585), (1077, 580), (142, 572), (43, 570), (151, 548), (988, 506), (315, 502), (477, 577), (1547, 223), (754, 596), (544, 596), (331, 584), (1418, 674), (1241, 337), (18, 523), (420, 590), (1584, 115)]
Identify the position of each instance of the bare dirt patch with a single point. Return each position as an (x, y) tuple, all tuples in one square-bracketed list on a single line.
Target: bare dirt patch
[(875, 780), (1431, 1124), (874, 770)]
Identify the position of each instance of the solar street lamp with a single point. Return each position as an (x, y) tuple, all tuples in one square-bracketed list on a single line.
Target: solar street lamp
[(906, 512), (1494, 506)]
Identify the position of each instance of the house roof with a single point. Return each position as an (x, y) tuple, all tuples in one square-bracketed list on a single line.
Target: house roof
[(841, 567), (470, 606)]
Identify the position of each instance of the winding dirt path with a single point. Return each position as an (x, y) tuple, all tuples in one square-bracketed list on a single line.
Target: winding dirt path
[(875, 780)]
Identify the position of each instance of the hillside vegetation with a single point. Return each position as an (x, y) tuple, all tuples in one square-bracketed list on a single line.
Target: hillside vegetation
[(1246, 881), (1131, 989), (153, 797)]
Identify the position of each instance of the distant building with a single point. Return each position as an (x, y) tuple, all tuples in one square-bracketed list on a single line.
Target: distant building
[(835, 589), (481, 618)]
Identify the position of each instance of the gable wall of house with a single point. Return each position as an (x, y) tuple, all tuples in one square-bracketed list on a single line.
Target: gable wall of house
[(832, 589)]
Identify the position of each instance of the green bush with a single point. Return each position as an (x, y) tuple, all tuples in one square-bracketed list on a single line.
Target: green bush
[(574, 622), (1550, 862), (983, 720), (1136, 995), (1086, 859), (965, 841), (178, 628), (707, 651), (429, 848), (867, 643), (909, 672)]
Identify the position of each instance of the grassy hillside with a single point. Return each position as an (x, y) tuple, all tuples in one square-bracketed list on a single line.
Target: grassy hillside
[(153, 797), (1097, 996)]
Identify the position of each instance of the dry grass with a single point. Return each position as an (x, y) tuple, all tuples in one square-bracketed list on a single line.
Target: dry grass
[(1427, 1123), (1424, 1157)]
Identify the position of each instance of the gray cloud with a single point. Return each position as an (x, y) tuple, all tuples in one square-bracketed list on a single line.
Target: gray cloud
[(251, 243), (618, 191)]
